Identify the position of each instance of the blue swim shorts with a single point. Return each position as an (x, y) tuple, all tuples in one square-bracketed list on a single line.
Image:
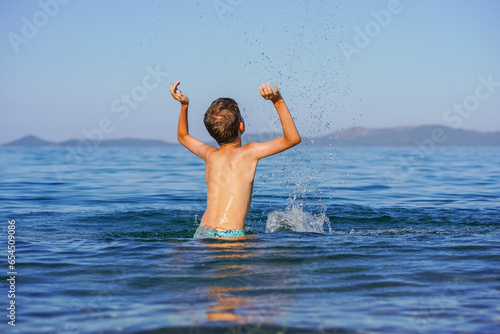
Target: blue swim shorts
[(204, 231)]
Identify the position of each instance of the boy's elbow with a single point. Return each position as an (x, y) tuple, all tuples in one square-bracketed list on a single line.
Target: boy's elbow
[(295, 140), (181, 138), (298, 140)]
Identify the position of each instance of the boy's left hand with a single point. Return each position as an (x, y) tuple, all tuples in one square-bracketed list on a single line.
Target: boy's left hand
[(269, 94), (178, 95)]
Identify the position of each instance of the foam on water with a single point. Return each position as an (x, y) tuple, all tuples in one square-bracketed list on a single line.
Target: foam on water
[(295, 219)]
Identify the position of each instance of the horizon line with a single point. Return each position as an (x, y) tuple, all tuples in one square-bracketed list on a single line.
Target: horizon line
[(262, 132)]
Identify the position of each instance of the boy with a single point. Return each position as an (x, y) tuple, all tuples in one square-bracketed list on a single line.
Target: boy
[(230, 169)]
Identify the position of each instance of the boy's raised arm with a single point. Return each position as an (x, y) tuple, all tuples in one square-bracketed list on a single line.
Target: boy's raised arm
[(290, 136), (194, 145)]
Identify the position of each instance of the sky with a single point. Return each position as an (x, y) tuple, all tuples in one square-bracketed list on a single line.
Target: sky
[(102, 69)]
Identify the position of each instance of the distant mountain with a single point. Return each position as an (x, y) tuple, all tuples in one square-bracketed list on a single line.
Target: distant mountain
[(32, 141), (408, 136), (358, 136), (126, 142)]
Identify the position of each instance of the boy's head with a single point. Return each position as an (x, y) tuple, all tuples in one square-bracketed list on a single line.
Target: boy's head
[(222, 120)]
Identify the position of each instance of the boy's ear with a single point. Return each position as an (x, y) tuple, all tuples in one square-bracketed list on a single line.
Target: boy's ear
[(242, 127)]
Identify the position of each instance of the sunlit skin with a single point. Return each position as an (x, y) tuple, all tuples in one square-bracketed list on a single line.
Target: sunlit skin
[(230, 169)]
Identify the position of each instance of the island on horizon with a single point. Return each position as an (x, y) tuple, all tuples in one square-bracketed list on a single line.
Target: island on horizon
[(357, 136)]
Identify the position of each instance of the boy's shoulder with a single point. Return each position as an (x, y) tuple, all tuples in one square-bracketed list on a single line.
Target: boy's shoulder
[(250, 146), (242, 150)]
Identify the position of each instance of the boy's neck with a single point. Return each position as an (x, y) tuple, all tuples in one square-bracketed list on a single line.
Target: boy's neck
[(234, 144)]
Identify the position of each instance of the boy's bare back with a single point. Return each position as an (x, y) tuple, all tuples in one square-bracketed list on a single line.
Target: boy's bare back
[(230, 169), (229, 174)]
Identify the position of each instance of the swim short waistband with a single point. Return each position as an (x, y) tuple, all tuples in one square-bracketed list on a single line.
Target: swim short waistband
[(204, 231)]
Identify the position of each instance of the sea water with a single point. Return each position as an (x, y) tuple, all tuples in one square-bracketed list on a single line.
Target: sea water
[(349, 240), (295, 219)]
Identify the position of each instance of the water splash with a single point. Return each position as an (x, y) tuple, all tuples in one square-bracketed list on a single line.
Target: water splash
[(295, 219), (303, 182)]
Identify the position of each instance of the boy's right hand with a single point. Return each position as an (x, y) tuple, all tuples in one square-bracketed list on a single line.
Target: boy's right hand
[(178, 95), (269, 94)]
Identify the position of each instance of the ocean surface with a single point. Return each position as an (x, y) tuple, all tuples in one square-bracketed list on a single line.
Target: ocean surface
[(340, 240)]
